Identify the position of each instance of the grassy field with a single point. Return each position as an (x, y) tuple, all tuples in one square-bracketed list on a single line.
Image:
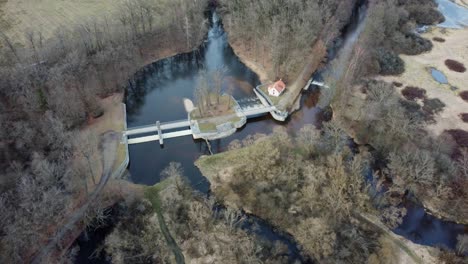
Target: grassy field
[(47, 16), (417, 74), (274, 99), (206, 127)]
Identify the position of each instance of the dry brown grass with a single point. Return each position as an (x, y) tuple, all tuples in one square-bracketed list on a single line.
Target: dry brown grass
[(47, 16), (225, 107), (416, 74), (112, 119)]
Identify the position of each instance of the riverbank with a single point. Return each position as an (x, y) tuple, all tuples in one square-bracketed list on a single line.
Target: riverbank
[(171, 223), (114, 119), (220, 170), (294, 88)]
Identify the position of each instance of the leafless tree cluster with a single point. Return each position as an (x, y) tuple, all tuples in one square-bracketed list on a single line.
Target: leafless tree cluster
[(310, 184), (390, 30), (282, 33), (48, 89), (201, 229), (209, 90), (415, 161)]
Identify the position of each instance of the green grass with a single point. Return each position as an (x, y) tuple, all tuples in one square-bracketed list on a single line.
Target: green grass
[(152, 194), (234, 119), (210, 165), (275, 100), (207, 127)]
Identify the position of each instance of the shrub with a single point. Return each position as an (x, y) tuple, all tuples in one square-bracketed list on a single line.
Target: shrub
[(425, 15), (461, 139), (411, 93), (397, 84), (390, 63), (455, 65), (410, 106), (432, 107), (464, 117), (464, 95), (437, 39), (412, 44)]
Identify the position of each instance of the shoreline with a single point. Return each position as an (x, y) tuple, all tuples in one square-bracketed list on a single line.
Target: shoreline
[(407, 250), (241, 53)]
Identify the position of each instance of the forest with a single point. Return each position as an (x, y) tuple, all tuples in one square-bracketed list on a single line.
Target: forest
[(327, 188), (49, 90)]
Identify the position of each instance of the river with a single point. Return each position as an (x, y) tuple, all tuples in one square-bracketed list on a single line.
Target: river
[(156, 94)]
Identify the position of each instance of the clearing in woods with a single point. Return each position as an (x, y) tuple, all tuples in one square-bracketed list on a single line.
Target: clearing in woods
[(417, 74), (46, 16)]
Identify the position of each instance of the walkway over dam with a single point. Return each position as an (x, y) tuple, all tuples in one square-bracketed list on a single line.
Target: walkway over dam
[(247, 107)]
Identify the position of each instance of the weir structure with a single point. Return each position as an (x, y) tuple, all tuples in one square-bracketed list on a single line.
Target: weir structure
[(245, 108), (248, 108)]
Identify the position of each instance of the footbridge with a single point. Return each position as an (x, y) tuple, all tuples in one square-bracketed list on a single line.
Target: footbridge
[(255, 110), (315, 80), (183, 127)]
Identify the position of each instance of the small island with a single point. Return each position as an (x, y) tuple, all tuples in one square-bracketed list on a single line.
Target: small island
[(216, 116)]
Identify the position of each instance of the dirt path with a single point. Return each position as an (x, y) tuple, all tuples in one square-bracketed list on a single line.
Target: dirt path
[(410, 252), (109, 141), (152, 194)]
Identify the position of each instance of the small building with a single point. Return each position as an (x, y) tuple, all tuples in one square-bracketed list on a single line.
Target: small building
[(277, 88)]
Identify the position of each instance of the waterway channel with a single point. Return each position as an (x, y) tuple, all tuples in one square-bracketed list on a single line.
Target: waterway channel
[(156, 94)]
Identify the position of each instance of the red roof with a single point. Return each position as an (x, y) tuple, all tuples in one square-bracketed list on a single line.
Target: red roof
[(279, 86)]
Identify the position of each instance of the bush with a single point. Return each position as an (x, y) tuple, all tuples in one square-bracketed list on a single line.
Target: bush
[(410, 106), (411, 93), (455, 65), (438, 39), (413, 44), (461, 139), (390, 63), (425, 15), (464, 95), (433, 106), (464, 117)]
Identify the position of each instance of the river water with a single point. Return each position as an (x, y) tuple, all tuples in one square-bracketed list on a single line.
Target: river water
[(156, 94)]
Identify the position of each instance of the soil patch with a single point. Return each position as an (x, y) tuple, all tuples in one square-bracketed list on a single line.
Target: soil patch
[(455, 66), (464, 95), (464, 117), (412, 93), (437, 39)]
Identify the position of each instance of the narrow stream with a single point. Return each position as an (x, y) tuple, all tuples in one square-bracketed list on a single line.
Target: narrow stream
[(156, 94)]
